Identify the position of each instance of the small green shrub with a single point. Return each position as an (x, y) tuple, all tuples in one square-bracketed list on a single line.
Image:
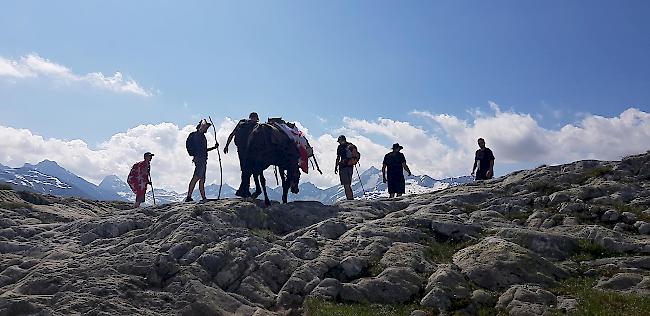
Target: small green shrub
[(265, 234), (543, 187), (594, 173), (5, 187), (317, 307), (442, 252), (588, 250), (592, 301), (636, 210)]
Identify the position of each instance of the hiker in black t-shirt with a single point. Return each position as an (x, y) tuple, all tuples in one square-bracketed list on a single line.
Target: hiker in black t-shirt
[(240, 134), (392, 171), (343, 168), (483, 162)]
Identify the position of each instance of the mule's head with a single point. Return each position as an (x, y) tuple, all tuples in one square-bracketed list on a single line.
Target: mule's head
[(293, 176)]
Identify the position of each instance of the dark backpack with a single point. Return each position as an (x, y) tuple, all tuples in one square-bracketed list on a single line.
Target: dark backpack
[(352, 155), (190, 144), (243, 131)]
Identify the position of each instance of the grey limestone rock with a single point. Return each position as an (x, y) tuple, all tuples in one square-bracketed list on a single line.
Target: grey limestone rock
[(496, 264), (526, 300), (610, 216), (392, 286), (644, 229)]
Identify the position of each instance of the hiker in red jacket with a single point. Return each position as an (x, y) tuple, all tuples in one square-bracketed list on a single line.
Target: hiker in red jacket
[(139, 178)]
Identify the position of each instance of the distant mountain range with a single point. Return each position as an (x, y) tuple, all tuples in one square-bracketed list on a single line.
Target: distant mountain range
[(49, 178)]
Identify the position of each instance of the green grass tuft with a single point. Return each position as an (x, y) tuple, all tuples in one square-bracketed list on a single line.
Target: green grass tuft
[(442, 252), (588, 250), (596, 302), (594, 173), (543, 187), (317, 307), (15, 205), (265, 234), (637, 210), (5, 187)]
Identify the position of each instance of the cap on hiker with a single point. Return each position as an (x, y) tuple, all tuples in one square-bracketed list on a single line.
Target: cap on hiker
[(341, 138), (203, 122), (253, 116), (148, 154), (397, 146)]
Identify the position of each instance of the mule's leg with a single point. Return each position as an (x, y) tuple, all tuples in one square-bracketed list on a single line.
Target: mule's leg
[(285, 186), (258, 191), (244, 190), (266, 197)]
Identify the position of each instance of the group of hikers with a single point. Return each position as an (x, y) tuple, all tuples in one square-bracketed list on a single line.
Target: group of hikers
[(347, 157)]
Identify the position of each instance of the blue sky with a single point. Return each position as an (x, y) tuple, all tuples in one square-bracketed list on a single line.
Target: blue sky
[(321, 61)]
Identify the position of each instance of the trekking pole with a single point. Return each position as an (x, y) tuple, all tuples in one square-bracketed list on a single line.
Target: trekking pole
[(316, 161), (153, 193), (359, 176), (219, 155)]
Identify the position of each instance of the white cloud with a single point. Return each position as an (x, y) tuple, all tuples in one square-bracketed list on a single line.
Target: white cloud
[(34, 66), (516, 139)]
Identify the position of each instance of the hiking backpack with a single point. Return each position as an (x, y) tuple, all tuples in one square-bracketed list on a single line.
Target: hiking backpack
[(352, 154), (190, 144), (132, 178)]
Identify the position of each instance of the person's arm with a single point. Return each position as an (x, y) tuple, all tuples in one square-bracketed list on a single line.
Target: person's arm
[(230, 137), (383, 172), (474, 168), (336, 167), (406, 168), (490, 171)]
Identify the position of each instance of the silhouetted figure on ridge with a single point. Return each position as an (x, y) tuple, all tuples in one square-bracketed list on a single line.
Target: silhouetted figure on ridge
[(483, 162), (392, 171)]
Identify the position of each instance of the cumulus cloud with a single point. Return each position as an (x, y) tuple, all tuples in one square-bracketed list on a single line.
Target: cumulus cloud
[(34, 66), (516, 139)]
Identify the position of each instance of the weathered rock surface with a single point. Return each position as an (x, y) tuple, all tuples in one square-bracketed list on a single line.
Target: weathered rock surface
[(502, 243), (496, 264)]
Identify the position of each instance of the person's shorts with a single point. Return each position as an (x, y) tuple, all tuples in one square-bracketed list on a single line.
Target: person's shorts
[(396, 185), (345, 174), (200, 168), (139, 197)]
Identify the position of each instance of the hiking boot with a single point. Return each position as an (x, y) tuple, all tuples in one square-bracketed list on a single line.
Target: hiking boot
[(189, 199), (243, 193)]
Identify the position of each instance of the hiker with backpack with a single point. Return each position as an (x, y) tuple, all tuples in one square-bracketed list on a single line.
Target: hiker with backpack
[(395, 163), (483, 162), (347, 156), (240, 133), (139, 178), (197, 147)]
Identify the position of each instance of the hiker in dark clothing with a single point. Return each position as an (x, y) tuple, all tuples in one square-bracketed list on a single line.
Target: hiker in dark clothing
[(240, 134), (200, 146), (392, 171), (483, 162), (343, 168)]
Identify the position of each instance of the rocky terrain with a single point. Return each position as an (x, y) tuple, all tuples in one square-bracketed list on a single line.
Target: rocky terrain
[(536, 242)]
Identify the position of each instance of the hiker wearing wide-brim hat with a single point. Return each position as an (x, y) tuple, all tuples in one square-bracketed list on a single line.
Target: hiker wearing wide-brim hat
[(197, 147), (139, 178), (392, 171)]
